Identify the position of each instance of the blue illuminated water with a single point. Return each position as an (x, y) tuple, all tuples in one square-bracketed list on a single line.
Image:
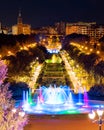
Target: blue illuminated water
[(58, 100)]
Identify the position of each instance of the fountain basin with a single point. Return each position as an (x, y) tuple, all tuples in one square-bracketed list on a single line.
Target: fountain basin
[(57, 101)]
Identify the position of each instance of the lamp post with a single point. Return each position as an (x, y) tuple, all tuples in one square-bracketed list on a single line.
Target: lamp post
[(99, 113)]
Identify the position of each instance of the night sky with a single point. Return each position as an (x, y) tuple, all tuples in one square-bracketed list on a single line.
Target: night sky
[(46, 12)]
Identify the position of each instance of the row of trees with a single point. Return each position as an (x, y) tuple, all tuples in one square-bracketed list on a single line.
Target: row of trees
[(74, 37), (19, 64), (12, 40), (92, 63), (20, 60), (15, 43)]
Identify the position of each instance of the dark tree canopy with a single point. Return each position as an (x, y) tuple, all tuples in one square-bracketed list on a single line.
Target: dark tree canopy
[(74, 37)]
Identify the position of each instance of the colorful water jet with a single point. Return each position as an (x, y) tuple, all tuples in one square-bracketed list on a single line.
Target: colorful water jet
[(53, 95), (55, 100)]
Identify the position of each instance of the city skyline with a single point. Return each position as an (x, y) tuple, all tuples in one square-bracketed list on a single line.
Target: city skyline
[(43, 13)]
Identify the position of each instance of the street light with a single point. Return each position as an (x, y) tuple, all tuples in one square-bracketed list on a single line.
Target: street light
[(99, 113), (20, 113)]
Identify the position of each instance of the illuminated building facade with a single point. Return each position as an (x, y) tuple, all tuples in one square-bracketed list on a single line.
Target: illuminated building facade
[(80, 27), (21, 28), (96, 32), (91, 29), (3, 29)]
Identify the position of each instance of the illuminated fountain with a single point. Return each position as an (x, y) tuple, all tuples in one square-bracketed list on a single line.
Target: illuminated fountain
[(55, 100), (53, 95)]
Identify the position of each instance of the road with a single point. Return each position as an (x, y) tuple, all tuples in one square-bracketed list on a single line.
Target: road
[(65, 122)]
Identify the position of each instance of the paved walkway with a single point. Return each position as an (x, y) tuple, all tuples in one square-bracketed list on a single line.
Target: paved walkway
[(68, 122)]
